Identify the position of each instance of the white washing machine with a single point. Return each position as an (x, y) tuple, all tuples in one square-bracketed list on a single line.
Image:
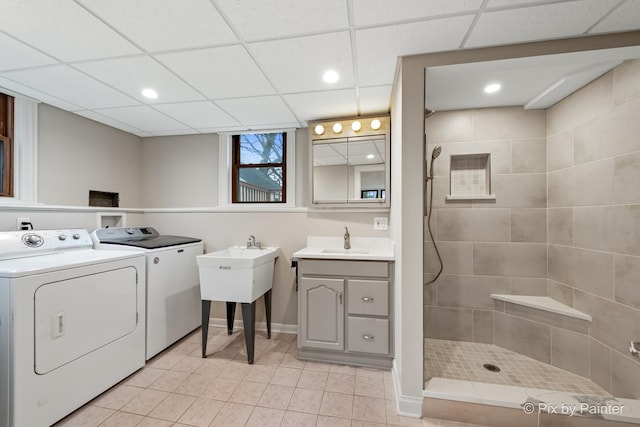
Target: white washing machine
[(173, 283), (71, 323)]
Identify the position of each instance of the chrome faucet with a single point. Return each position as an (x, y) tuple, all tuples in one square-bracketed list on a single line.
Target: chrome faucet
[(347, 239), (251, 242)]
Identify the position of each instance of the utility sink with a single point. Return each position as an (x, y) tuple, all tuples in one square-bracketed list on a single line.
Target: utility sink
[(236, 273)]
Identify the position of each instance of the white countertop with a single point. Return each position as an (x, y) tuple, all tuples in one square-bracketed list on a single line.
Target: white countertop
[(362, 248)]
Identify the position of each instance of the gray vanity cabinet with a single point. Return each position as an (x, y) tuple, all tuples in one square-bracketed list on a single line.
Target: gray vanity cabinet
[(345, 311)]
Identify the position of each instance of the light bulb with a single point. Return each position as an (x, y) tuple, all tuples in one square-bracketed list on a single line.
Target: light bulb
[(356, 126), (375, 124), (337, 128), (319, 129)]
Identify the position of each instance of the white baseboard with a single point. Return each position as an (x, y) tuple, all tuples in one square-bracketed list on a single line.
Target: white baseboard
[(407, 406), (281, 328)]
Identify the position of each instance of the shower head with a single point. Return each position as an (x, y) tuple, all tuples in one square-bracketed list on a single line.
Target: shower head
[(428, 113), (436, 152)]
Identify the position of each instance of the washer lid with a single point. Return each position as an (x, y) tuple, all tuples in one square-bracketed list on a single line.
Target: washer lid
[(153, 242)]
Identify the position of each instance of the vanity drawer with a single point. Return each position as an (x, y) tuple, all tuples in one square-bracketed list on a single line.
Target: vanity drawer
[(345, 268), (369, 297), (368, 335)]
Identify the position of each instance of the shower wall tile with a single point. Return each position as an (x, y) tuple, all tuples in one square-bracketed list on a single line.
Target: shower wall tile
[(454, 224), (490, 225), (508, 123), (570, 351), (456, 256), (600, 364), (429, 295), (560, 292), (529, 225), (483, 326), (609, 135), (559, 188), (528, 286), (583, 105), (500, 155), (529, 156), (626, 84), (529, 338), (449, 126), (560, 226), (520, 190), (627, 177), (470, 291), (625, 376), (510, 259), (611, 228), (448, 323), (545, 317), (560, 150), (587, 270), (613, 324), (627, 287), (440, 191), (491, 259), (592, 184)]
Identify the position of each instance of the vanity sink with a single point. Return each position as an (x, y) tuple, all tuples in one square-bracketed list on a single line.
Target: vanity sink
[(236, 273), (344, 251)]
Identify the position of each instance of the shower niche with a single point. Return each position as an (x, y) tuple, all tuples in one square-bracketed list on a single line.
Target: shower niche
[(470, 177)]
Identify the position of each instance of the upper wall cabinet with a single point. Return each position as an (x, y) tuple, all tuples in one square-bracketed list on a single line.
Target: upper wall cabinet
[(349, 162)]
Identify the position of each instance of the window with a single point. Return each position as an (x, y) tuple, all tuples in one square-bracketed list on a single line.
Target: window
[(259, 168), (6, 145)]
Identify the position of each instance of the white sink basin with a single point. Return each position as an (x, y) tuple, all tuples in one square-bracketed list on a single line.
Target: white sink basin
[(236, 274), (344, 251)]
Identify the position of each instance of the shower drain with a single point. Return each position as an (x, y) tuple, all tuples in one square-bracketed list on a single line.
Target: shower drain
[(491, 367)]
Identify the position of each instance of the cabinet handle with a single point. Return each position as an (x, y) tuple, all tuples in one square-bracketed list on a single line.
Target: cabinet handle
[(340, 297), (368, 337), (367, 299)]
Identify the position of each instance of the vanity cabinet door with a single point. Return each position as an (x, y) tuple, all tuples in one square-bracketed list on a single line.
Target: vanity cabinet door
[(321, 313)]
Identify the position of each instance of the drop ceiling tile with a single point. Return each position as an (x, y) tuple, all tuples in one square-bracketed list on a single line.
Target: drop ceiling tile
[(12, 87), (71, 86), (321, 105), (258, 111), (15, 54), (63, 29), (132, 75), (144, 118), (538, 22), (297, 64), (224, 129), (368, 12), (175, 132), (275, 126), (165, 25), (198, 114), (107, 121), (264, 19), (375, 99), (224, 72), (624, 18), (378, 49)]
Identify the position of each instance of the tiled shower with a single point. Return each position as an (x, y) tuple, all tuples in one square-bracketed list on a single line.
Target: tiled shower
[(565, 223)]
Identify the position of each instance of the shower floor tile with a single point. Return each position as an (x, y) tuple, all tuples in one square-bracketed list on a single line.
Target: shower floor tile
[(462, 360)]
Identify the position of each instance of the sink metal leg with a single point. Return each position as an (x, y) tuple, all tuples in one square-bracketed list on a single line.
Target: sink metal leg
[(231, 314), (206, 310), (249, 322), (267, 309)]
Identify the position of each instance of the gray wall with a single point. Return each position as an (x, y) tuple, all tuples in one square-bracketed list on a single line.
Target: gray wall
[(594, 219), (487, 246)]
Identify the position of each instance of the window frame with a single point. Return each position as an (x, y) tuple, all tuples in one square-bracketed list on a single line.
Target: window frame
[(7, 112), (237, 165), (225, 173)]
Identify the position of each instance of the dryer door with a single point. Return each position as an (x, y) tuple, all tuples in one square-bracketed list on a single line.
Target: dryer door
[(76, 316)]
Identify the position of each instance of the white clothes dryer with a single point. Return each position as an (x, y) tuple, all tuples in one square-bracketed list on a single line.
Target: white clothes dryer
[(71, 323), (173, 306)]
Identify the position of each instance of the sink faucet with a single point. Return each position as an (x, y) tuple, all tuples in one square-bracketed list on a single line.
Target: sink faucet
[(347, 239), (251, 242)]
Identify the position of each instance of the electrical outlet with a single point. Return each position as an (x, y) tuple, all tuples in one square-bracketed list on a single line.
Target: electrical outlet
[(19, 222), (380, 223)]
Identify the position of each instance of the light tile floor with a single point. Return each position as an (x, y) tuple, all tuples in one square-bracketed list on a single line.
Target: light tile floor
[(179, 388)]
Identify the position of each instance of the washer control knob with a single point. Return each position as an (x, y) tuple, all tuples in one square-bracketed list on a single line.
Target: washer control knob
[(62, 237), (76, 236), (33, 240)]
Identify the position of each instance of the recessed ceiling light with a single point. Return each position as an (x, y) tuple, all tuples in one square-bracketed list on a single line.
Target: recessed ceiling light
[(149, 93), (330, 76), (492, 88), (370, 156)]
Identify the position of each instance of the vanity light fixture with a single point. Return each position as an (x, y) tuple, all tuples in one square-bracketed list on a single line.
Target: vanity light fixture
[(319, 129), (492, 88), (337, 127), (375, 124), (149, 93), (330, 76), (356, 126)]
